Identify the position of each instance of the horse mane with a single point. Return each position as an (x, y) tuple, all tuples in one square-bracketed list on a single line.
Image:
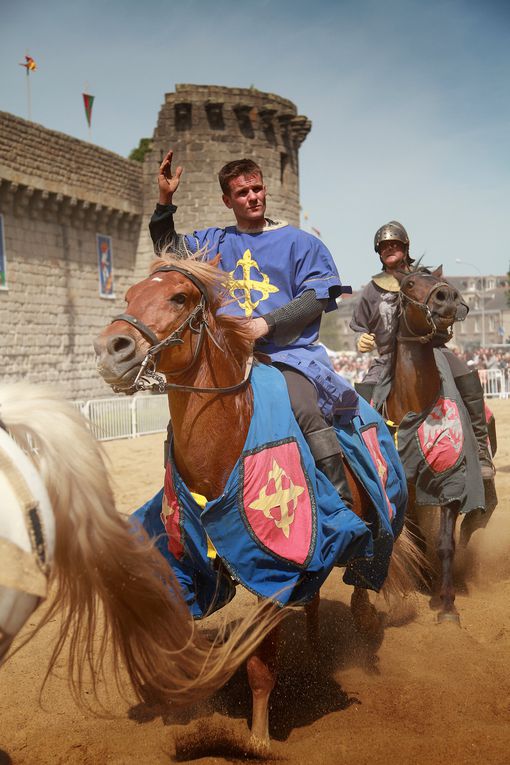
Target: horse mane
[(234, 330), (418, 268), (112, 589)]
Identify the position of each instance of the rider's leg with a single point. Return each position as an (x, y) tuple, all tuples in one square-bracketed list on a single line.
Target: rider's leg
[(320, 437), (470, 388)]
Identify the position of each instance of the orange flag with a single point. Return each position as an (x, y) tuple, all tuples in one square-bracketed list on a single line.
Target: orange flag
[(29, 64)]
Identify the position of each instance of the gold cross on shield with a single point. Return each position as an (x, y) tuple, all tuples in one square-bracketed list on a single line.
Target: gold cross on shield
[(285, 499), (248, 285)]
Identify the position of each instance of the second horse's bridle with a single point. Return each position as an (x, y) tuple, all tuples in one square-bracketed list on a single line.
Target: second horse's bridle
[(405, 300), (148, 378)]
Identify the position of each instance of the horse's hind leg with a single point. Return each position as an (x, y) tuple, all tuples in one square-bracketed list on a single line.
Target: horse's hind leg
[(261, 667), (366, 619), (446, 551)]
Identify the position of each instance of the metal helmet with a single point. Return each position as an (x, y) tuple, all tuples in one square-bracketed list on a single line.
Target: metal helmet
[(391, 232)]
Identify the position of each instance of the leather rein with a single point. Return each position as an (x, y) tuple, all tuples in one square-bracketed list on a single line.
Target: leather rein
[(148, 378), (405, 300)]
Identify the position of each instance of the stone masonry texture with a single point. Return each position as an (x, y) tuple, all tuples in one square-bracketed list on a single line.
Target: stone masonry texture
[(57, 193)]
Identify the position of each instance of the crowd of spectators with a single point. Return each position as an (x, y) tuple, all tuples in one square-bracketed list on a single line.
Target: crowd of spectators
[(354, 366), (486, 358), (351, 366)]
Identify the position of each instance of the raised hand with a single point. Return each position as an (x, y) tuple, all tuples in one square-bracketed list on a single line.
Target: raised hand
[(168, 183)]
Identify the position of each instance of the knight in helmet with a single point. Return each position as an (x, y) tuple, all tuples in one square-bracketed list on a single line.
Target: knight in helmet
[(375, 319)]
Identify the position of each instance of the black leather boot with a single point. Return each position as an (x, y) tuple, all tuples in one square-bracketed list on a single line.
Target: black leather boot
[(327, 454), (470, 388)]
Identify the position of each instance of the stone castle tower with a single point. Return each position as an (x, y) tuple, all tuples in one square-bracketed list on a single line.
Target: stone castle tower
[(59, 197), (208, 126)]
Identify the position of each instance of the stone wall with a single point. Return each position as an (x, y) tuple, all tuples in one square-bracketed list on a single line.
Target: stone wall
[(57, 193)]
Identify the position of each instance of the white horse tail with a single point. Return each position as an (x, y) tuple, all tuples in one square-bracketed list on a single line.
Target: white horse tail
[(109, 581)]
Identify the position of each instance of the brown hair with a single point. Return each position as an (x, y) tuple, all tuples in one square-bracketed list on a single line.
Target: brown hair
[(234, 169)]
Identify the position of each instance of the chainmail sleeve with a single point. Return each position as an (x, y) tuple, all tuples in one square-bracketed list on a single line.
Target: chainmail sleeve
[(287, 323), (163, 234)]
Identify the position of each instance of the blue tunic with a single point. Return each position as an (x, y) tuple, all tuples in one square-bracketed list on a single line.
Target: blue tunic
[(268, 269)]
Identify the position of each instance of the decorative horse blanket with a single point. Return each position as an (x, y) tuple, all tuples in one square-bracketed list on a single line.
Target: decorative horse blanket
[(279, 527), (438, 447)]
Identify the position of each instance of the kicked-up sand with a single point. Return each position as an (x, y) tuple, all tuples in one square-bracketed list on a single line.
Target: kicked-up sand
[(427, 694)]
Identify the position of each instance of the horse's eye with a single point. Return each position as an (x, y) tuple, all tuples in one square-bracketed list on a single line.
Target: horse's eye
[(180, 298), (410, 284)]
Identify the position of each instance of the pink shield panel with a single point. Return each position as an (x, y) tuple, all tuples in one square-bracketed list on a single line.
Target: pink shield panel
[(369, 436), (171, 516), (440, 436), (277, 501)]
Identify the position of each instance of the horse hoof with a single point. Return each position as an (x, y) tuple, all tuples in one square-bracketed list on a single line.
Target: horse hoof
[(450, 617), (260, 748)]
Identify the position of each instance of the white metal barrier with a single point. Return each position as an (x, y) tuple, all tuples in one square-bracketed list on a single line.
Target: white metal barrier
[(495, 382), (126, 417), (142, 414)]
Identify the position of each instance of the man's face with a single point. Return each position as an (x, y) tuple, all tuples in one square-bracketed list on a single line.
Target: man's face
[(247, 199), (393, 254)]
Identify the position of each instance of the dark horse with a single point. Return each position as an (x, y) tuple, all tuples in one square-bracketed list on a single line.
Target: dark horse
[(428, 310), (172, 326)]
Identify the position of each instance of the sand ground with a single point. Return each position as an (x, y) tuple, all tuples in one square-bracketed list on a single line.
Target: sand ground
[(428, 694)]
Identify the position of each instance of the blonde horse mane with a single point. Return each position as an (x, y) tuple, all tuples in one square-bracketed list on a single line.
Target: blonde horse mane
[(112, 588)]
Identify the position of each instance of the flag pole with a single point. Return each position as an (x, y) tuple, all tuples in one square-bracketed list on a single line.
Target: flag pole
[(29, 96), (29, 65)]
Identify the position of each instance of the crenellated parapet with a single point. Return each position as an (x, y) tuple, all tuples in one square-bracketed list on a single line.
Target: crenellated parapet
[(28, 202), (207, 126), (53, 167)]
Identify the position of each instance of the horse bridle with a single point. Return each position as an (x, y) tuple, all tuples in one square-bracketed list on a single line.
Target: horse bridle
[(148, 378), (405, 299)]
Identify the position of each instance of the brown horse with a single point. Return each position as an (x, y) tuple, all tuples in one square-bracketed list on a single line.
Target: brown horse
[(428, 310), (173, 326)]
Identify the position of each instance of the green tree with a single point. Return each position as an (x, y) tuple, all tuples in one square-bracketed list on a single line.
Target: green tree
[(141, 150)]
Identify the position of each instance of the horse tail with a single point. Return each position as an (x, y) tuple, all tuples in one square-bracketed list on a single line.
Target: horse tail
[(407, 567), (112, 588)]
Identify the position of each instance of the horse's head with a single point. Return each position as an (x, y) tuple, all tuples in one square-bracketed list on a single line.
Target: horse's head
[(429, 306), (167, 318)]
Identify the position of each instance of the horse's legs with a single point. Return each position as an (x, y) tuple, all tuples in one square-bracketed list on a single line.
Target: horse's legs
[(366, 619), (446, 551), (261, 667)]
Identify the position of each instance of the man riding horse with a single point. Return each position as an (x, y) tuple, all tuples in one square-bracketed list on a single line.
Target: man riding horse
[(375, 317), (283, 279)]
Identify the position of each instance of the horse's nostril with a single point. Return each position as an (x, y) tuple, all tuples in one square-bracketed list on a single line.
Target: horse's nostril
[(120, 344), (441, 296)]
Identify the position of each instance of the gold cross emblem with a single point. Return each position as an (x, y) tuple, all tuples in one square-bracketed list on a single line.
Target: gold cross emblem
[(381, 469), (285, 499), (166, 509), (247, 285)]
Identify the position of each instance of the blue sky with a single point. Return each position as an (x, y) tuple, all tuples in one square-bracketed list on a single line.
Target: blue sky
[(409, 101)]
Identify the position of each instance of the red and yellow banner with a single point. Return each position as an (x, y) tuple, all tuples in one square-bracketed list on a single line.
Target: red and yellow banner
[(29, 64)]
